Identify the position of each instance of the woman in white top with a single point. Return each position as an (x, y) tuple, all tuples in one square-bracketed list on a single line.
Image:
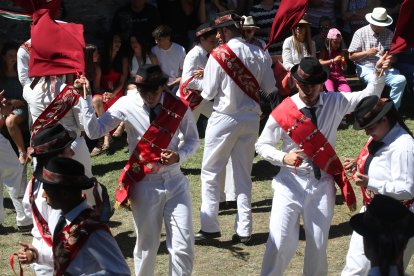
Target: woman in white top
[(298, 45)]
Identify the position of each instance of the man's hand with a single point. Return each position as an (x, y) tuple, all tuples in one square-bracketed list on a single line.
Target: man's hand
[(169, 157), (361, 180), (293, 158), (82, 85), (371, 52), (198, 73), (5, 105), (106, 96), (383, 63), (28, 254)]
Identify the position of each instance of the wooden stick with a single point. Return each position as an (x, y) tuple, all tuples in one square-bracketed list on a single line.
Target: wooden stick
[(84, 91)]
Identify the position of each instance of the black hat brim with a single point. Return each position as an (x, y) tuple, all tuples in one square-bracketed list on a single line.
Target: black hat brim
[(152, 85), (85, 184), (52, 152), (312, 80), (387, 107)]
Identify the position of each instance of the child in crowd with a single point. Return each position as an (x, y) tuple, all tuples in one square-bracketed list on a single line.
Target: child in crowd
[(333, 57)]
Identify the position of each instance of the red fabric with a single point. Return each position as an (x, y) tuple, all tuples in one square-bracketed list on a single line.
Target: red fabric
[(32, 5), (57, 48), (284, 80), (403, 35), (287, 16)]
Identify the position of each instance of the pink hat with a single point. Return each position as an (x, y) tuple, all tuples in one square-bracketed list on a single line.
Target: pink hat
[(333, 33)]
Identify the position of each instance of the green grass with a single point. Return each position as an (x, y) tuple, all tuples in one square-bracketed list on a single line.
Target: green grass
[(221, 257)]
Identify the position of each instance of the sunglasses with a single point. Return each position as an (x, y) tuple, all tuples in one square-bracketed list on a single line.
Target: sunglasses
[(301, 26)]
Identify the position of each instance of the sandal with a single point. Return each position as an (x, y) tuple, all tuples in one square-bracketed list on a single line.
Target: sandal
[(96, 151), (22, 157), (119, 131)]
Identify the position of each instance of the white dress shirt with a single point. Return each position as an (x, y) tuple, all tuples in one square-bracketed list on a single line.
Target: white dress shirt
[(171, 60), (41, 96), (391, 171), (132, 110), (330, 109), (99, 255), (23, 65), (194, 60), (221, 87)]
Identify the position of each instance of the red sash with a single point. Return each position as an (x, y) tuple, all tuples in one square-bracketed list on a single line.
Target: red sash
[(235, 68), (314, 144), (191, 97), (360, 163), (40, 222), (57, 109), (73, 237), (27, 46), (147, 153)]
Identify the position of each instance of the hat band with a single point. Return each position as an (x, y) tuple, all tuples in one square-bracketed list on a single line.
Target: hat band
[(373, 113), (53, 177), (222, 19), (379, 20), (59, 141), (303, 75), (203, 31)]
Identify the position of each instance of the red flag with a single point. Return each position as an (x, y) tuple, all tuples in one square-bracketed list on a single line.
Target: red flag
[(33, 5), (403, 35), (287, 16), (57, 48)]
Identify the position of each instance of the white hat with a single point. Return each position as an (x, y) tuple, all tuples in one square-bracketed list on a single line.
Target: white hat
[(379, 17), (249, 23)]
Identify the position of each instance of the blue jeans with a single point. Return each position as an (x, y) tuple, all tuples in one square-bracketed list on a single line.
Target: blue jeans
[(393, 78)]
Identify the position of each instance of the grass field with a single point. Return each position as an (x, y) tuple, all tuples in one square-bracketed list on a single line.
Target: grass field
[(221, 257)]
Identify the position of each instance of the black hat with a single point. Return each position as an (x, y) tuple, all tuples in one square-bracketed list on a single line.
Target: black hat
[(204, 28), (62, 172), (310, 71), (227, 18), (370, 110), (149, 77), (51, 140), (384, 215)]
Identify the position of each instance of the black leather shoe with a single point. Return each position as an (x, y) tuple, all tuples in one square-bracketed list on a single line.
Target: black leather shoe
[(25, 228), (203, 236), (244, 240)]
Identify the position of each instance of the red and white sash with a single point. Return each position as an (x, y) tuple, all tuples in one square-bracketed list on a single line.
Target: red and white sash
[(191, 97), (27, 46), (73, 237), (147, 154), (314, 144), (57, 109), (235, 68), (367, 195), (40, 222)]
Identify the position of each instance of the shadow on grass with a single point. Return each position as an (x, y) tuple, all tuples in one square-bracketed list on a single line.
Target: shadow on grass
[(126, 243), (8, 204), (102, 169), (191, 171), (336, 231), (234, 248), (263, 170)]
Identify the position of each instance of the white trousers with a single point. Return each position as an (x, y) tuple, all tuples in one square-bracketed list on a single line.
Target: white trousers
[(13, 175), (357, 263), (163, 197), (299, 194), (228, 136)]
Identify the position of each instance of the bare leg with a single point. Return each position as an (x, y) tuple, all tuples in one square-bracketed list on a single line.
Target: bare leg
[(12, 123)]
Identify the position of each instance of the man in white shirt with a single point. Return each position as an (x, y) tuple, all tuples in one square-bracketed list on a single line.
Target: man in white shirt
[(234, 124), (161, 192), (170, 55), (301, 188), (82, 245), (384, 166)]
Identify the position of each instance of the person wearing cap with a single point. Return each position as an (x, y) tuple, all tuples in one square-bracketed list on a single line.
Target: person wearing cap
[(11, 175), (307, 124), (234, 124), (332, 56), (51, 141), (299, 45), (190, 88), (152, 180), (386, 229), (384, 166), (82, 245), (368, 44)]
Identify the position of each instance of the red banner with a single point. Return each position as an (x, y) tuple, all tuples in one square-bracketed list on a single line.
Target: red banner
[(403, 35), (287, 16)]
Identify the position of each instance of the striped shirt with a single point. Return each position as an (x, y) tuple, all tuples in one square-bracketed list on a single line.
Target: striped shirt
[(365, 38)]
